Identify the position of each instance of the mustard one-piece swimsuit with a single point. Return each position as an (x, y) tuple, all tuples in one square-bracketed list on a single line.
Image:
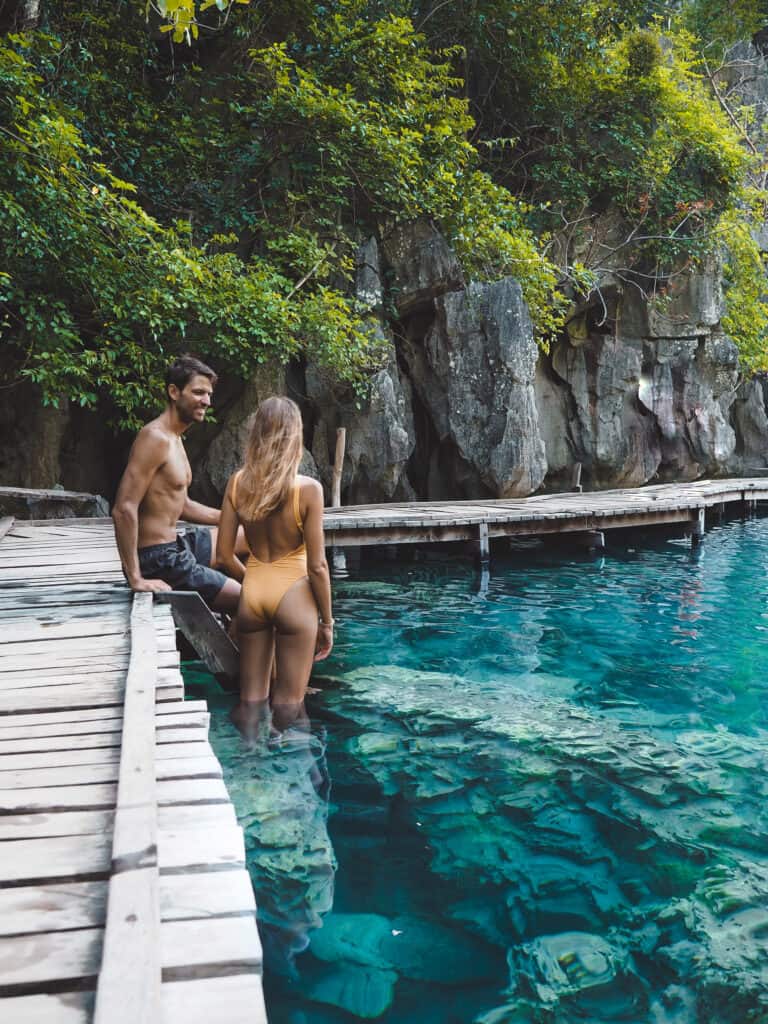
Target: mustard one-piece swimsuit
[(266, 583)]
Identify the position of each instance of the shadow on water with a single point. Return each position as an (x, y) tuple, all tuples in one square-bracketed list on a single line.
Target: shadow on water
[(541, 803)]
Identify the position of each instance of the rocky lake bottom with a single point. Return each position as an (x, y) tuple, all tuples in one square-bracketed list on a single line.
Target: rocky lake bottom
[(538, 798)]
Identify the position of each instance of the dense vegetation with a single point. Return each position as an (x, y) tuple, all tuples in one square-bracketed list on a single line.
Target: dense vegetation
[(201, 177)]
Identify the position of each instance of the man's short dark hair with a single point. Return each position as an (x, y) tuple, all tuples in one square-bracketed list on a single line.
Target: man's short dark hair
[(183, 369)]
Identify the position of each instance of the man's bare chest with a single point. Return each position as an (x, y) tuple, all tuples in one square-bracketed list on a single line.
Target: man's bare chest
[(176, 473)]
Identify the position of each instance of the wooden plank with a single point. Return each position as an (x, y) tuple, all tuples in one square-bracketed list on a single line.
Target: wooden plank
[(65, 858), (56, 906), (237, 999), (6, 522), (223, 945), (62, 906), (106, 771), (44, 962), (167, 716), (48, 759), (73, 697), (195, 849), (41, 861), (172, 818), (60, 1008), (56, 823), (196, 621), (128, 990), (102, 740), (206, 894), (42, 666)]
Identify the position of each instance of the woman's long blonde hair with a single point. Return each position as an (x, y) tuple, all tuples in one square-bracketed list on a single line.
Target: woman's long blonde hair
[(272, 457)]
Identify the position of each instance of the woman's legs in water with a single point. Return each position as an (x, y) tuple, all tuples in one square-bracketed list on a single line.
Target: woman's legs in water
[(295, 640), (256, 639)]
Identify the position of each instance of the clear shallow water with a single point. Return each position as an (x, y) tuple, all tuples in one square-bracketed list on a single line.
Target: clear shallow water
[(539, 803)]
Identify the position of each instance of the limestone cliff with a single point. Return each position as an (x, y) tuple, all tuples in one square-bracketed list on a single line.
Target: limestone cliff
[(466, 404)]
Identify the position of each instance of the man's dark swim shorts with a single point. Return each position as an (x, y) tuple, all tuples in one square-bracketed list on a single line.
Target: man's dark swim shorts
[(185, 564)]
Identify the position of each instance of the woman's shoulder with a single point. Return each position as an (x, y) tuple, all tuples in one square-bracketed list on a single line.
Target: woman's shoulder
[(309, 488), (308, 482)]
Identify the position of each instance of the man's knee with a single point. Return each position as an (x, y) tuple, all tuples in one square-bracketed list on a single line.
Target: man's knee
[(228, 597)]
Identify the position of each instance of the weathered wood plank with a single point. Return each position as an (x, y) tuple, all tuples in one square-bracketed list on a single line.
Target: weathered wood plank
[(62, 759), (6, 522), (195, 619), (43, 962), (224, 945), (189, 949), (104, 739), (206, 894), (62, 906), (167, 716), (128, 988), (56, 906), (38, 825), (237, 1000), (63, 1008)]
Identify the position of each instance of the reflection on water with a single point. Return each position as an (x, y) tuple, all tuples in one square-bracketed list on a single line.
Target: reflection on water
[(547, 801)]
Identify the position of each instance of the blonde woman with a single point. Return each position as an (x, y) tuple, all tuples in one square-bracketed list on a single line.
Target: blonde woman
[(286, 583)]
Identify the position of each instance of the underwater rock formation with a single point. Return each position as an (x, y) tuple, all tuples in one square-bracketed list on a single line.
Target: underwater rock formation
[(552, 805)]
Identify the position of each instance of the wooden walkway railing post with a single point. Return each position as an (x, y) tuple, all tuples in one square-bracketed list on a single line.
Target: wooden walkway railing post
[(128, 990), (338, 558), (697, 530)]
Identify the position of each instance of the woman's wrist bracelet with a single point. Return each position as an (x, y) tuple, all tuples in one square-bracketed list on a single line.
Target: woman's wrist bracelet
[(330, 622)]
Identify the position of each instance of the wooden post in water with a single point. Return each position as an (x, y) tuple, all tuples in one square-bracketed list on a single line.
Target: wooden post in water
[(338, 558), (697, 529), (576, 477)]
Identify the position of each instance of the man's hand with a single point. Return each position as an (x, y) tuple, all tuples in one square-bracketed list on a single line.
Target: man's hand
[(154, 586)]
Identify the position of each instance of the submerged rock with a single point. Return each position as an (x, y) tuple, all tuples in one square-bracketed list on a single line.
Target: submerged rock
[(364, 991), (417, 948)]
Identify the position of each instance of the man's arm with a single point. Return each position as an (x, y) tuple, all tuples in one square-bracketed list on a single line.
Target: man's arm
[(194, 512), (148, 454), (226, 555)]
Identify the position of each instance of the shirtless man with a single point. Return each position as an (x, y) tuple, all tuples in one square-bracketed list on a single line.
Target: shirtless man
[(152, 497)]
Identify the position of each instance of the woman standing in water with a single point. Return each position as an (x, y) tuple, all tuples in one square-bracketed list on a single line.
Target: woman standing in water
[(286, 583)]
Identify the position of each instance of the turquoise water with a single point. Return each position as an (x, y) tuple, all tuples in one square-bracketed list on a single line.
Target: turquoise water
[(537, 801)]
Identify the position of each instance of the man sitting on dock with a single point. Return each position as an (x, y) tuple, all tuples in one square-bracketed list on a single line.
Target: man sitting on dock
[(152, 498)]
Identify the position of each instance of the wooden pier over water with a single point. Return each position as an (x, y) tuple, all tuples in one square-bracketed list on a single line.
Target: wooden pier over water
[(123, 890), (124, 897)]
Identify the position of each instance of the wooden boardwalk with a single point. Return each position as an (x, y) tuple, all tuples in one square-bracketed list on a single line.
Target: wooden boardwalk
[(424, 522), (123, 890), (124, 897)]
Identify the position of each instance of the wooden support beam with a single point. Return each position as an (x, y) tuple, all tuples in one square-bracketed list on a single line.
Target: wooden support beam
[(338, 556), (697, 528), (338, 465), (128, 990), (201, 628), (483, 548), (6, 522)]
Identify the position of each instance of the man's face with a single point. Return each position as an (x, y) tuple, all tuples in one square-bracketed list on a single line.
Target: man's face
[(193, 400)]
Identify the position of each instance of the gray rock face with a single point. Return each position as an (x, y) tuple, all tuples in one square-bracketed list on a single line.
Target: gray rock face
[(474, 373), (609, 432), (422, 264), (26, 503), (751, 425), (225, 452), (380, 436)]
